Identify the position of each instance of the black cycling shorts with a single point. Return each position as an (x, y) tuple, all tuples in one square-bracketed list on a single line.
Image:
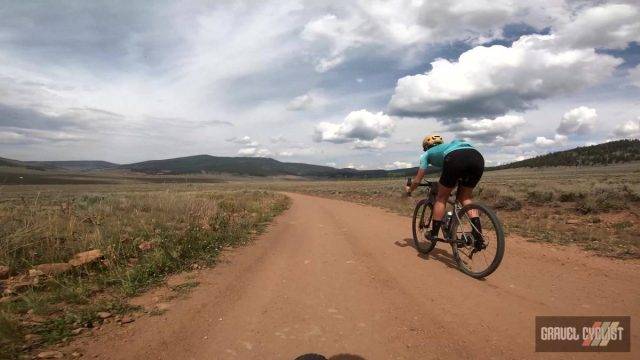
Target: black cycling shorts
[(462, 167)]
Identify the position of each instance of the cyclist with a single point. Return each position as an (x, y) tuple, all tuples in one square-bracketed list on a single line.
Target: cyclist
[(461, 165)]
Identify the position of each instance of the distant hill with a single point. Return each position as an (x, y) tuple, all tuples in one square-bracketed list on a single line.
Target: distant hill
[(612, 152), (81, 165), (250, 166), (11, 163), (19, 164), (602, 154)]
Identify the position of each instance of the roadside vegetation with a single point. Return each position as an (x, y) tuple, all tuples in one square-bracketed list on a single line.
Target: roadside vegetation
[(596, 208), (70, 259)]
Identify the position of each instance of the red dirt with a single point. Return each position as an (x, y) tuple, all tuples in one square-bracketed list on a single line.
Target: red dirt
[(334, 277)]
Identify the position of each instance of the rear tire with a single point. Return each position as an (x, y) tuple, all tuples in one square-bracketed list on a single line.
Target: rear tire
[(492, 233), (421, 223)]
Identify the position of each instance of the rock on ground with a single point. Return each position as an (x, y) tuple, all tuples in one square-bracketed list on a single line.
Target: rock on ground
[(53, 268), (50, 355), (85, 257)]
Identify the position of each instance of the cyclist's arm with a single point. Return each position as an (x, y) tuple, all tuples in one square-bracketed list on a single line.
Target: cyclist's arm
[(424, 164), (416, 180)]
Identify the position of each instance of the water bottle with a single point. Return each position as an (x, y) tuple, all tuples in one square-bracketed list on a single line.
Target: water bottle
[(447, 219)]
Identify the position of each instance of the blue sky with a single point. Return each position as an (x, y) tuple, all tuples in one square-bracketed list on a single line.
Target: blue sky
[(355, 83)]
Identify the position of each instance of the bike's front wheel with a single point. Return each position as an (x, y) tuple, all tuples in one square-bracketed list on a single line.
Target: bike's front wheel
[(478, 251), (422, 215)]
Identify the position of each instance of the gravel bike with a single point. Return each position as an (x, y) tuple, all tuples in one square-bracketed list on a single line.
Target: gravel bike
[(477, 253)]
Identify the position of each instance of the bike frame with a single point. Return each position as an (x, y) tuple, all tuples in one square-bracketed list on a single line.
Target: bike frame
[(456, 232), (456, 209)]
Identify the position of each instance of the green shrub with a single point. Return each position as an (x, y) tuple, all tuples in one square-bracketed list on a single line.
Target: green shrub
[(539, 196), (570, 196), (631, 194), (603, 199), (507, 202)]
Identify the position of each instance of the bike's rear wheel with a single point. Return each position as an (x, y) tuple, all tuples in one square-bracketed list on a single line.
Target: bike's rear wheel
[(472, 261), (421, 223)]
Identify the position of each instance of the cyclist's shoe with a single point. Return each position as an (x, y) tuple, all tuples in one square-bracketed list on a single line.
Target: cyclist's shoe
[(430, 237), (478, 243)]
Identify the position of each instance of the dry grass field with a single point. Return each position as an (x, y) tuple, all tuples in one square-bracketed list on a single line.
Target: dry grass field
[(144, 231), (141, 233)]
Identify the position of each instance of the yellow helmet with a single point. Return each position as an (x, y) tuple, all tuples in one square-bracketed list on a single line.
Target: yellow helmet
[(431, 141)]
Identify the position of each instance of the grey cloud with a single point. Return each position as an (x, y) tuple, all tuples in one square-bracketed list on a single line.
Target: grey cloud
[(16, 136), (93, 111), (30, 119), (245, 140), (219, 123), (301, 102), (501, 130), (278, 139), (88, 34), (475, 105)]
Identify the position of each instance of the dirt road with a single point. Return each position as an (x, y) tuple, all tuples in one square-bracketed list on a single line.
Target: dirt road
[(334, 277)]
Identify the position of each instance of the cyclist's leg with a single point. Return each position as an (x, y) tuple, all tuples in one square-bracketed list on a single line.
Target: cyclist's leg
[(465, 197), (474, 169), (448, 179), (441, 201), (439, 207)]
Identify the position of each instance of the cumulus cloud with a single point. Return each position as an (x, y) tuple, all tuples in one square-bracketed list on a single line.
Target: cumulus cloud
[(278, 139), (610, 26), (488, 81), (374, 144), (360, 125), (488, 131), (338, 35), (154, 79), (302, 102), (580, 121), (245, 140), (391, 25), (542, 141), (628, 130), (254, 152), (312, 99), (354, 166), (398, 165)]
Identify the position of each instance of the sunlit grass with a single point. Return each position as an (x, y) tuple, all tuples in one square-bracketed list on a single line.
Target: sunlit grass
[(144, 236)]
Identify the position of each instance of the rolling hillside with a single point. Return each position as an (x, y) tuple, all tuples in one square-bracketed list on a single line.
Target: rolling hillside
[(613, 152), (601, 154), (19, 164), (250, 166), (10, 163), (86, 165)]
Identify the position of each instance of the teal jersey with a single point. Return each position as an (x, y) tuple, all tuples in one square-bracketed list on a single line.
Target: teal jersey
[(435, 155)]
